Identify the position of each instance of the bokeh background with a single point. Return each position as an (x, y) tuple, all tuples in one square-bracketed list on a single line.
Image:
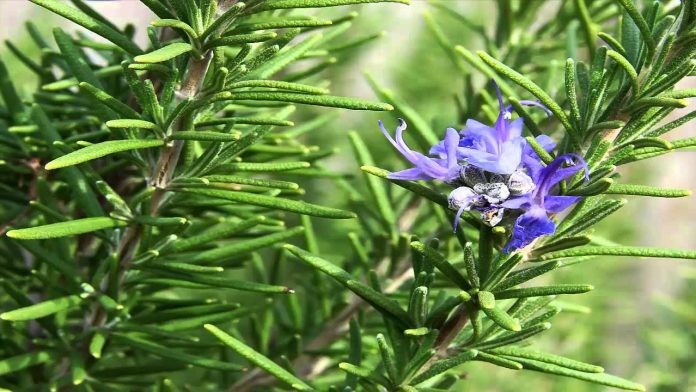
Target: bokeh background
[(642, 324)]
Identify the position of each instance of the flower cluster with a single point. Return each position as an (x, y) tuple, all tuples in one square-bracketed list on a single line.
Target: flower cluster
[(495, 172)]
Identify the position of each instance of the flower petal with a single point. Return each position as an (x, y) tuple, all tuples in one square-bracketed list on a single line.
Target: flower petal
[(528, 227), (451, 142), (510, 156), (515, 128), (427, 168), (483, 134), (556, 204)]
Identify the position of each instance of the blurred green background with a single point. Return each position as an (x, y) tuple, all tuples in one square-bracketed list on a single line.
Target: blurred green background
[(643, 320)]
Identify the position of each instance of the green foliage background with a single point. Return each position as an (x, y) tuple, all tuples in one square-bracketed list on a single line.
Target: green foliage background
[(642, 321)]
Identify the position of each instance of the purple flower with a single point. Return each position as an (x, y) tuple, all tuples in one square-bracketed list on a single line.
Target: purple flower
[(498, 149), (444, 168), (539, 203)]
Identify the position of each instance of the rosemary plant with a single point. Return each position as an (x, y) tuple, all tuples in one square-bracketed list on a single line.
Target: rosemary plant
[(157, 237)]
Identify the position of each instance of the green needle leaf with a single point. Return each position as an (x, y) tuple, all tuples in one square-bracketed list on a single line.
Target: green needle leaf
[(165, 53), (659, 101), (365, 373), (174, 355), (97, 344), (646, 190), (621, 251), (288, 4), (447, 269), (131, 123), (563, 243), (99, 150), (177, 24), (67, 228), (258, 359), (281, 24), (263, 166), (23, 361), (75, 58), (236, 40), (299, 207), (444, 365), (112, 103), (215, 317), (626, 65), (277, 184), (42, 309), (486, 299), (510, 338), (498, 360), (205, 136), (223, 230), (376, 299), (597, 378), (526, 274), (205, 280), (243, 247), (548, 358), (388, 359), (317, 100), (418, 306), (544, 291), (497, 315), (638, 19), (303, 88), (277, 63)]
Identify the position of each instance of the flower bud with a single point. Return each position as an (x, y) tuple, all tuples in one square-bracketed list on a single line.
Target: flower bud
[(472, 175), (493, 177), (520, 183), (464, 197), (494, 193)]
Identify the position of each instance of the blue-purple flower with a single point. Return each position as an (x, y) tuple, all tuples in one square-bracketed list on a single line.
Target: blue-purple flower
[(496, 173), (540, 202)]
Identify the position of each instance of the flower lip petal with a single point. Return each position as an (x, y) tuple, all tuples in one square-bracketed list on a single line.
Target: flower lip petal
[(535, 222), (528, 227)]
